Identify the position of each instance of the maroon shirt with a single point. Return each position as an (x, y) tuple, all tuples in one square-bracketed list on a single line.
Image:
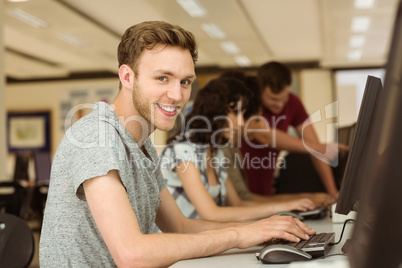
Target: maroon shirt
[(259, 163)]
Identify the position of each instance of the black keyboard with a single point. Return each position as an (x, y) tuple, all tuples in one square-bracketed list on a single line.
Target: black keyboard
[(317, 246)]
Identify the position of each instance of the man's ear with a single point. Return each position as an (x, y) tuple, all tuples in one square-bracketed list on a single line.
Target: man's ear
[(126, 76)]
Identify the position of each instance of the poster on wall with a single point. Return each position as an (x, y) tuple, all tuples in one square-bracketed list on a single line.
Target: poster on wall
[(28, 131), (76, 103)]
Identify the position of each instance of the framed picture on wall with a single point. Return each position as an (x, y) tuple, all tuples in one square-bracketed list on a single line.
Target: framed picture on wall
[(28, 131)]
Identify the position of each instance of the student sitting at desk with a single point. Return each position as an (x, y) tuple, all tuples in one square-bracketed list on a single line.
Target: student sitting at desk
[(193, 163), (236, 163)]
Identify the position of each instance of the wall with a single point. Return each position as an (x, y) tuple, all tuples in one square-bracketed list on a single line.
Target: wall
[(317, 95), (3, 172), (349, 88)]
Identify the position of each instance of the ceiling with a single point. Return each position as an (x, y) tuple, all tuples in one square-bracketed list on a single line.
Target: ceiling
[(314, 32)]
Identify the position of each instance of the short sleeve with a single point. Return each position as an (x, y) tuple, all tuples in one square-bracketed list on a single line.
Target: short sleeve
[(181, 152), (299, 112), (92, 160)]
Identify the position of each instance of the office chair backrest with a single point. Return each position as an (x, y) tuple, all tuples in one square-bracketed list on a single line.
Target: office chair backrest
[(42, 167), (21, 167), (17, 244)]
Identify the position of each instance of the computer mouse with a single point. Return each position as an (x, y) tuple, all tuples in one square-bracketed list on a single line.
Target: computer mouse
[(290, 213), (272, 254)]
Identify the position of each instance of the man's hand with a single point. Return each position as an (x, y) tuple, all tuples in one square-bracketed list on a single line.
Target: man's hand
[(302, 204), (279, 227), (321, 199)]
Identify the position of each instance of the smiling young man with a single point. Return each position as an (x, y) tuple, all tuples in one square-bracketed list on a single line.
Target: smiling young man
[(106, 189)]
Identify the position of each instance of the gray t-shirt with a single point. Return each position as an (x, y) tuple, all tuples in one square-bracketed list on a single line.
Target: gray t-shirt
[(92, 147)]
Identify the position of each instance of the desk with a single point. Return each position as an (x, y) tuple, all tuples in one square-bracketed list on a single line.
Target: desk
[(246, 257)]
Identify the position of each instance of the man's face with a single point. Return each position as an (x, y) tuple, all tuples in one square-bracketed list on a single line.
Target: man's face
[(162, 85), (275, 102)]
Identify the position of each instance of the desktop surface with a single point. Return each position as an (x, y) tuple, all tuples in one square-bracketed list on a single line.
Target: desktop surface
[(246, 257)]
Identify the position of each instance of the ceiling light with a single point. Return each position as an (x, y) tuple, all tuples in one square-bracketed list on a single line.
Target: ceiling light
[(360, 24), (72, 39), (192, 7), (28, 18), (230, 47), (213, 30), (242, 60), (355, 55), (361, 4), (17, 0), (357, 41)]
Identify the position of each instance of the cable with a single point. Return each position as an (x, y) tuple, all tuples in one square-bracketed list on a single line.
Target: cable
[(343, 229)]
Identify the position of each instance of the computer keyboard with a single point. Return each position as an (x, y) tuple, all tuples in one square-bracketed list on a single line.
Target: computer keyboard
[(317, 246), (283, 251)]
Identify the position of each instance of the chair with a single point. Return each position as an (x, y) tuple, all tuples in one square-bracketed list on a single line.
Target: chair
[(10, 197), (299, 176), (42, 170), (17, 244), (12, 193)]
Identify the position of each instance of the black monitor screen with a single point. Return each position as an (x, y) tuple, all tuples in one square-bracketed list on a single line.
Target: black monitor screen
[(352, 181), (377, 236)]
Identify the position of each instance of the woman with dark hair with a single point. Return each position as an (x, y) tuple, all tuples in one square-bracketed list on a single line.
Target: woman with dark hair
[(194, 166)]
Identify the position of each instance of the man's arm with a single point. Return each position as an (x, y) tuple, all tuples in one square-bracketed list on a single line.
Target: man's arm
[(117, 223), (323, 169), (258, 129), (235, 209)]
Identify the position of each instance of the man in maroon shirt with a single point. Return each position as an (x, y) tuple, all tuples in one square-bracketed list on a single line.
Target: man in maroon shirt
[(265, 138)]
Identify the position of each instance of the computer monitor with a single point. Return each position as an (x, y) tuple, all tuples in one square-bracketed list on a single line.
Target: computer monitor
[(377, 235), (352, 181)]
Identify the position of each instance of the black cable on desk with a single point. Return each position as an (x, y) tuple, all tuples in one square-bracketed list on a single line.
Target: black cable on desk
[(343, 229)]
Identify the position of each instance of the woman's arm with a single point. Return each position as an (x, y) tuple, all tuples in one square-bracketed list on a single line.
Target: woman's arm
[(209, 210)]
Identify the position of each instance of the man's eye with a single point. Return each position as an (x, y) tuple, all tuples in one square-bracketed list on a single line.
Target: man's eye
[(162, 78), (185, 82)]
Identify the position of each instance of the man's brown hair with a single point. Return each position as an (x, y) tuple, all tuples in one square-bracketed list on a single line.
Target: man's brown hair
[(147, 35), (274, 75)]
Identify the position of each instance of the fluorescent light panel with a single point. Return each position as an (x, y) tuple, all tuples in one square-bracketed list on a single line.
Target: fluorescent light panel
[(72, 39), (360, 24), (357, 41), (242, 60), (230, 47), (15, 1), (355, 55), (28, 18), (213, 30), (193, 8), (364, 4)]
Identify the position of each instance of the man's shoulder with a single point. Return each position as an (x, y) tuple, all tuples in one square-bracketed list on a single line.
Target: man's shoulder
[(294, 98), (294, 103)]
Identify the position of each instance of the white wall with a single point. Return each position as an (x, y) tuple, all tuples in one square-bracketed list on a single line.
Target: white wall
[(349, 88), (3, 150), (316, 92)]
